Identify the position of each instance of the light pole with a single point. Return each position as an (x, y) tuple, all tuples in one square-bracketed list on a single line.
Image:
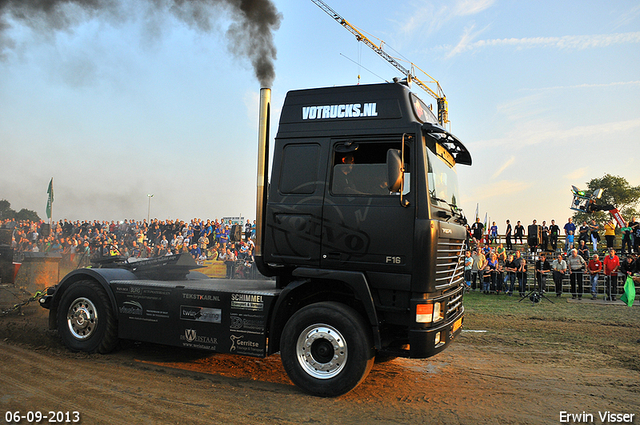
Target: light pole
[(149, 195)]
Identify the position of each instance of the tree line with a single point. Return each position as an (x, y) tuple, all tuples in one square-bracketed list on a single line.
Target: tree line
[(6, 212)]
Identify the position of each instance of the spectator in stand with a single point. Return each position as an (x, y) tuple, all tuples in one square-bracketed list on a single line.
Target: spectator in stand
[(203, 241), (492, 268), (611, 266), (501, 252), (208, 232), (477, 228), (518, 232), (477, 269), (610, 233), (543, 268), (583, 250), (195, 251), (594, 268), (229, 259), (510, 268), (544, 231), (626, 239), (224, 236), (559, 267), (628, 267), (532, 238), (467, 239), (576, 265), (508, 234), (493, 233), (56, 247), (521, 275), (247, 230), (569, 232), (486, 250), (636, 236), (595, 236), (517, 265), (554, 233), (173, 243), (468, 265), (584, 233)]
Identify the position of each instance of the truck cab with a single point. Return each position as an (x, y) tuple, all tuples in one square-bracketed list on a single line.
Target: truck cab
[(335, 210)]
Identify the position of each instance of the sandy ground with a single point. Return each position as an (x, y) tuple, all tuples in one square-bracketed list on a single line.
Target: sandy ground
[(492, 377)]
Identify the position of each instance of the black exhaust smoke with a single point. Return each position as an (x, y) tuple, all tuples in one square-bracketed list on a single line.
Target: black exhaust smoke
[(250, 34)]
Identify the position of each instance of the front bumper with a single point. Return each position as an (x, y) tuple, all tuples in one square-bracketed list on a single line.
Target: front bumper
[(425, 343)]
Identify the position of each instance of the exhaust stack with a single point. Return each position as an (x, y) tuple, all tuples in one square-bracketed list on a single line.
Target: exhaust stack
[(263, 172)]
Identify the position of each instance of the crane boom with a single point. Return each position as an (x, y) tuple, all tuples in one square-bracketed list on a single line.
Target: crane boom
[(443, 109)]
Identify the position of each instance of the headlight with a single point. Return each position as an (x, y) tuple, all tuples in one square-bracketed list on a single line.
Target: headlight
[(429, 313)]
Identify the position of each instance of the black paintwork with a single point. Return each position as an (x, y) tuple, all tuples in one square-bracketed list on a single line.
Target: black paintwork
[(374, 253)]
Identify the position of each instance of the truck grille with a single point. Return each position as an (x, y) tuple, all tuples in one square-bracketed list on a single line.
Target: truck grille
[(449, 263), (454, 305)]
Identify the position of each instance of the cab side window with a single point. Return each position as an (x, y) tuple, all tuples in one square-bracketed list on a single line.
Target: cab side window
[(299, 172), (361, 169)]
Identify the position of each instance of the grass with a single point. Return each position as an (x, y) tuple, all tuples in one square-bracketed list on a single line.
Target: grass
[(612, 330)]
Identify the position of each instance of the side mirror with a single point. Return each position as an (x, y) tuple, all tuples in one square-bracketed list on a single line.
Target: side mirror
[(395, 172)]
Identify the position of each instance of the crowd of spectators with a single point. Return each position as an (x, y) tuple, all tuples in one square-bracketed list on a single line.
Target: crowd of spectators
[(203, 239), (494, 267)]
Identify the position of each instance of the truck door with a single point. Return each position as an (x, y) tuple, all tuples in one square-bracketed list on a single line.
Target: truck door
[(364, 226)]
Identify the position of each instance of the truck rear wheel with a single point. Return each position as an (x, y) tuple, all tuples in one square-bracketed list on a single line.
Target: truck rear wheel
[(326, 349), (85, 319)]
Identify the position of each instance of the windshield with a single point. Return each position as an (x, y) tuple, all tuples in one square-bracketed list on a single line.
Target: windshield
[(443, 180)]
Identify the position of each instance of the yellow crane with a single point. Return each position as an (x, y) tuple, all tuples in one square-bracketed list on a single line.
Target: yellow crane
[(441, 99)]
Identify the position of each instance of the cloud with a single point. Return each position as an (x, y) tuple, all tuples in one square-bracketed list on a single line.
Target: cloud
[(576, 174), (579, 42), (426, 15), (536, 133), (525, 107), (471, 7), (628, 17), (504, 167), (587, 86), (466, 41), (499, 189)]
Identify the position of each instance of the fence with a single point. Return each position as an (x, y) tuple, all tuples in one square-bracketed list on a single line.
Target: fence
[(531, 283), (602, 244)]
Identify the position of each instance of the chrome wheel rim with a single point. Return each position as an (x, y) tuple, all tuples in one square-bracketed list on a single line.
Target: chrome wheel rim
[(321, 351), (82, 318)]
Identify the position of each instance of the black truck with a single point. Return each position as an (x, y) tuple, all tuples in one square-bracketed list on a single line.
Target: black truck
[(358, 232)]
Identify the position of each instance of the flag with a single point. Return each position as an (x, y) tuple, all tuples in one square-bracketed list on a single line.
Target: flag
[(50, 199), (485, 229), (477, 216), (629, 292)]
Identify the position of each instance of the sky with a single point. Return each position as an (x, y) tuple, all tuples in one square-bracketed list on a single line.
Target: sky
[(132, 101)]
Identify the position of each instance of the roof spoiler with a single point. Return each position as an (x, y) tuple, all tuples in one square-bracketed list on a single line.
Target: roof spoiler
[(450, 142)]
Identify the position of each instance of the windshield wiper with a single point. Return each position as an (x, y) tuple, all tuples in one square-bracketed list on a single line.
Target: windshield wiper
[(455, 211)]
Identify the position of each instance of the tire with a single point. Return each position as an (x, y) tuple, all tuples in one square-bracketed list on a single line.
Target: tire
[(86, 321), (326, 349)]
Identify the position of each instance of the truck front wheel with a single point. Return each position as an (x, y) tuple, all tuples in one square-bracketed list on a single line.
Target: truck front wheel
[(326, 349), (85, 319)]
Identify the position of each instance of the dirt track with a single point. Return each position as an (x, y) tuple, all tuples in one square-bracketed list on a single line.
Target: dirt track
[(484, 378)]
